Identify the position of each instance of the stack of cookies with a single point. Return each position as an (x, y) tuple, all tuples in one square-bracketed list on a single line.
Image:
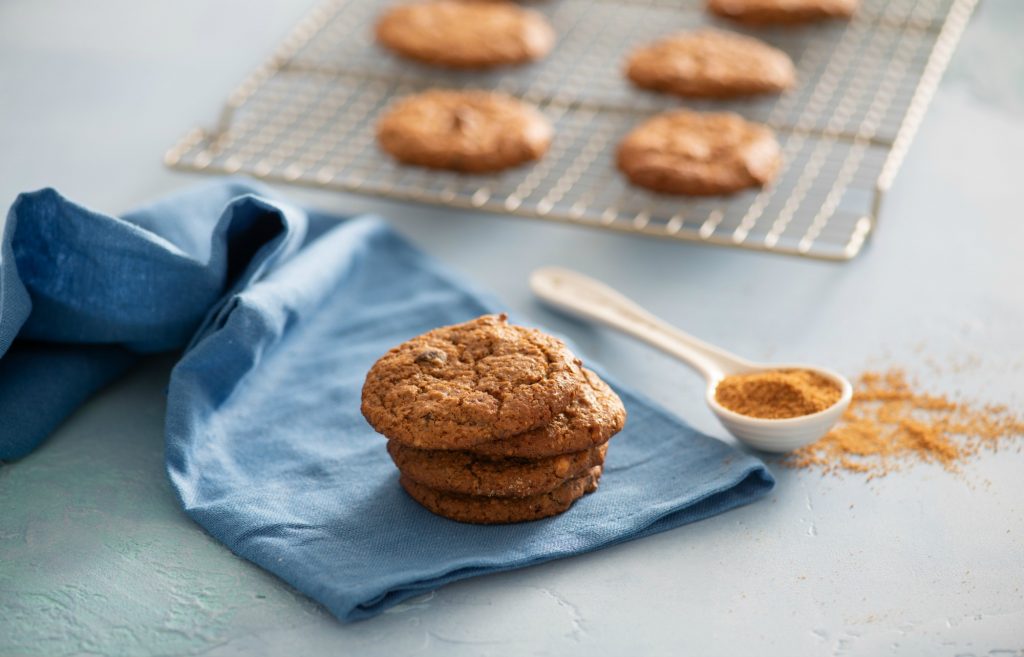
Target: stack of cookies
[(492, 423)]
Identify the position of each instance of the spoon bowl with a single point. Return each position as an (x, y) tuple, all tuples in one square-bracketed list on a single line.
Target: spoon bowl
[(783, 434), (584, 297)]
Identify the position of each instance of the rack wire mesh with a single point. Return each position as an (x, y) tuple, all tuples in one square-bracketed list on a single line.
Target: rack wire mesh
[(306, 116)]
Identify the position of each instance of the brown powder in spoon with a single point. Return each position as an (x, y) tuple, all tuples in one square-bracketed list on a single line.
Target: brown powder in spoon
[(777, 394), (890, 424)]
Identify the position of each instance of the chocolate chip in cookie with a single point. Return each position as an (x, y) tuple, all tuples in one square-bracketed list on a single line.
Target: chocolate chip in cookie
[(431, 357)]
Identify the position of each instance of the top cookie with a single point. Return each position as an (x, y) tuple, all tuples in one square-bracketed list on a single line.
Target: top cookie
[(465, 34), (684, 152), (471, 131), (782, 12), (590, 420), (458, 386), (711, 64)]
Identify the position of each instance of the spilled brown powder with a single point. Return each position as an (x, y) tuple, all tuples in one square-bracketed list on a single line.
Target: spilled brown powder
[(891, 424), (777, 394)]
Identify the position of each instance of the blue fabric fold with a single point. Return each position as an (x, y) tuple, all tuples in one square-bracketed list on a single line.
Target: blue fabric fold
[(84, 291), (282, 311)]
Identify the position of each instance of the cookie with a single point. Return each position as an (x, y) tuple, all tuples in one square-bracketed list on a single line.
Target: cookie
[(502, 510), (462, 385), (711, 64), (782, 12), (684, 152), (590, 420), (466, 35), (469, 474), (469, 131)]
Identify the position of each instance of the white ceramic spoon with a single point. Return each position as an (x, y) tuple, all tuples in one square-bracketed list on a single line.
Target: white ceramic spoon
[(579, 295)]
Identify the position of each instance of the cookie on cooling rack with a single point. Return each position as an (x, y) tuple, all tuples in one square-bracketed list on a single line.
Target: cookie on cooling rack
[(701, 154), (782, 12), (466, 34), (469, 131), (711, 64)]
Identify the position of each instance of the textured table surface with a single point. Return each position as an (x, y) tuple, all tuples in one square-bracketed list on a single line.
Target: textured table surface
[(96, 558)]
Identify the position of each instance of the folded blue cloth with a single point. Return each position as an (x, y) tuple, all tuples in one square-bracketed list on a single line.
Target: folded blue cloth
[(283, 312), (81, 294)]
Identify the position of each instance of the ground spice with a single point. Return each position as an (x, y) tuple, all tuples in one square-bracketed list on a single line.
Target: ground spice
[(777, 394), (891, 424)]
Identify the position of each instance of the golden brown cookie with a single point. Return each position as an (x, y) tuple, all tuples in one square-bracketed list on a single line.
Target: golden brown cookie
[(684, 152), (502, 510), (471, 131), (461, 385), (469, 474), (711, 64), (468, 35), (782, 12), (590, 420)]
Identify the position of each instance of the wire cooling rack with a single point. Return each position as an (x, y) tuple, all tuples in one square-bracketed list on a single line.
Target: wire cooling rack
[(307, 116)]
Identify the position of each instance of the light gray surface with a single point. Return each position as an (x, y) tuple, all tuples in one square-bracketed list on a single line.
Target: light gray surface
[(95, 556)]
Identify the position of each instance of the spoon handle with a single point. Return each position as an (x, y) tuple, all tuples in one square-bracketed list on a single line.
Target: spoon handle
[(585, 297)]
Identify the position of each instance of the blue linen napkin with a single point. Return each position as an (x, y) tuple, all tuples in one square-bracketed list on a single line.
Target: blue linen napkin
[(266, 447)]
